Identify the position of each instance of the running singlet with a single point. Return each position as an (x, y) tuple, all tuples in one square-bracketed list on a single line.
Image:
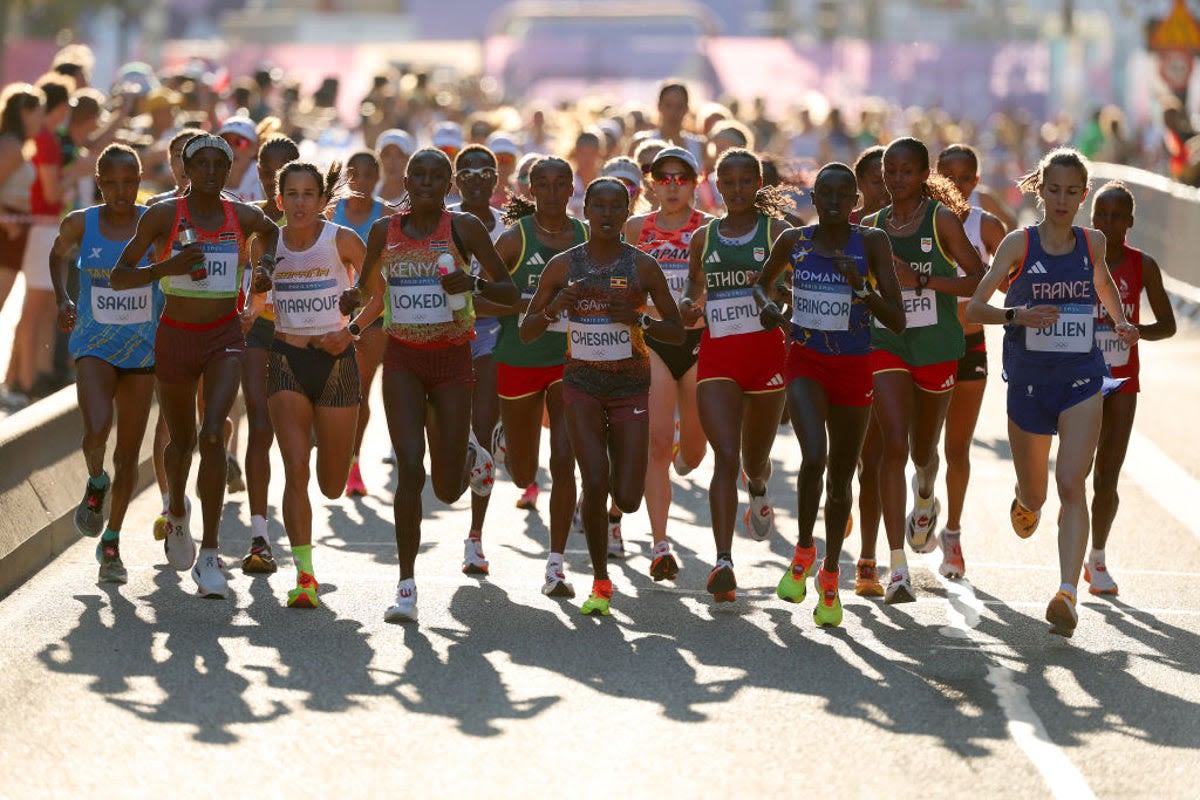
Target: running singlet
[(225, 256), (730, 271), (605, 358), (416, 310), (339, 218), (117, 326), (550, 349), (826, 315), (933, 335), (1122, 360), (308, 285), (670, 249), (1066, 350)]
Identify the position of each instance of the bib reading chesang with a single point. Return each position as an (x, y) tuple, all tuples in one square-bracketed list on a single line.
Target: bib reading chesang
[(127, 307), (1072, 332), (558, 326), (221, 263), (599, 339), (822, 306), (419, 301), (1115, 352), (732, 312)]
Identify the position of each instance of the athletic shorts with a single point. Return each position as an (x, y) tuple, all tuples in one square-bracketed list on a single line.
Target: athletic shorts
[(847, 380), (433, 367), (487, 331), (754, 361), (183, 350), (679, 358), (14, 236), (36, 261), (973, 365), (933, 378), (326, 380), (261, 335), (615, 409), (513, 383), (1035, 408)]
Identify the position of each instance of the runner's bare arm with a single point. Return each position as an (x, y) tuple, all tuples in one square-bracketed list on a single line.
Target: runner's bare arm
[(508, 247), (669, 328), (356, 296), (70, 234), (498, 285), (695, 289), (959, 248), (886, 302), (152, 229), (551, 299), (1163, 326)]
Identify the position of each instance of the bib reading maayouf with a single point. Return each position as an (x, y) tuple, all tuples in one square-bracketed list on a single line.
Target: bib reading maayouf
[(1115, 352), (125, 307), (1072, 332), (822, 306), (419, 300), (221, 263), (731, 312), (599, 339)]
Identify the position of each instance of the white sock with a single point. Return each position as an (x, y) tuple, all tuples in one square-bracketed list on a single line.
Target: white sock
[(1069, 588), (948, 532), (258, 526), (205, 552), (662, 547), (166, 501), (1096, 556), (899, 561), (554, 560)]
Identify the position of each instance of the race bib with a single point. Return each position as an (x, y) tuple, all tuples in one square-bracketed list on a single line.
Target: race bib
[(676, 275), (558, 326), (418, 301), (731, 313), (599, 339), (301, 305), (822, 306), (128, 307), (221, 264), (1072, 332), (1115, 352)]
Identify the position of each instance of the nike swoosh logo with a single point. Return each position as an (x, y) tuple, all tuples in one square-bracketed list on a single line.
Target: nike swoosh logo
[(639, 411)]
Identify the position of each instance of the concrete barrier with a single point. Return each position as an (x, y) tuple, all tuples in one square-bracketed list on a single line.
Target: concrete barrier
[(42, 472)]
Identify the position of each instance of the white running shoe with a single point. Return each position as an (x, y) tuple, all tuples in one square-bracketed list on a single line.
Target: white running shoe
[(899, 589), (405, 607), (760, 517), (210, 581), (1100, 581), (616, 544), (953, 566), (483, 469), (473, 561), (918, 528), (177, 540), (556, 584)]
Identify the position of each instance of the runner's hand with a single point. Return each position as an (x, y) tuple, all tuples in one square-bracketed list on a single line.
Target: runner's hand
[(1037, 316), (66, 316), (351, 299), (184, 261), (262, 280), (691, 313), (1128, 333), (563, 301), (335, 343)]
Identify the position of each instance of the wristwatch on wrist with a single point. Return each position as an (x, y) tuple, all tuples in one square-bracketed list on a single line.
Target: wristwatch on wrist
[(1010, 315), (355, 330), (644, 321)]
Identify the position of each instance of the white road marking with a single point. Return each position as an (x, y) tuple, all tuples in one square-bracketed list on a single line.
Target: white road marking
[(1157, 474)]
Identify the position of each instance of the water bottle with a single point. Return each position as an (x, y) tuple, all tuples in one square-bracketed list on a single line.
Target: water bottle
[(186, 235), (446, 264)]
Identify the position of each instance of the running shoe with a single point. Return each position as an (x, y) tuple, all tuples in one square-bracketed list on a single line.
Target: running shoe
[(112, 570), (918, 528), (760, 517), (354, 482), (598, 601), (1100, 581), (1061, 615), (556, 584), (160, 523), (473, 561), (177, 541), (305, 593), (500, 447), (210, 582), (829, 605), (899, 588), (482, 469), (1024, 521), (866, 579), (233, 475), (952, 565), (792, 586), (722, 584), (259, 559), (663, 567), (616, 545), (528, 499), (405, 607), (89, 514)]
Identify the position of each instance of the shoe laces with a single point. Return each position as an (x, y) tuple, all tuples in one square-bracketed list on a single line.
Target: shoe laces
[(94, 497)]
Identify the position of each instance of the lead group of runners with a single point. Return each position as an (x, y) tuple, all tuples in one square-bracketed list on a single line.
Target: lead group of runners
[(639, 338)]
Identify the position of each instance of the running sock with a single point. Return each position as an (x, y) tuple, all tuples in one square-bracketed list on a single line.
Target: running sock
[(555, 559), (899, 560), (475, 535), (1096, 556), (110, 535), (1069, 589), (258, 526), (302, 555), (662, 548), (949, 532), (166, 501), (98, 481)]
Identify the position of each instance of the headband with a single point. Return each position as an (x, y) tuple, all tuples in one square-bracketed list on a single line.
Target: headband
[(201, 141)]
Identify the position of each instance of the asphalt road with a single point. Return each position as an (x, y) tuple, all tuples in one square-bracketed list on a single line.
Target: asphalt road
[(146, 690)]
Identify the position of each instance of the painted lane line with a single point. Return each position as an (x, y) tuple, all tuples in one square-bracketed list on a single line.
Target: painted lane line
[(1157, 474)]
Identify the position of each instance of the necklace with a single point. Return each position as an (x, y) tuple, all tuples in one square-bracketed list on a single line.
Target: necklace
[(895, 223), (546, 230)]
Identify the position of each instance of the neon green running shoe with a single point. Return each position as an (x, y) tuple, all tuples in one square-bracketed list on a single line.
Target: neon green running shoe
[(305, 593), (791, 586), (597, 602), (829, 605)]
